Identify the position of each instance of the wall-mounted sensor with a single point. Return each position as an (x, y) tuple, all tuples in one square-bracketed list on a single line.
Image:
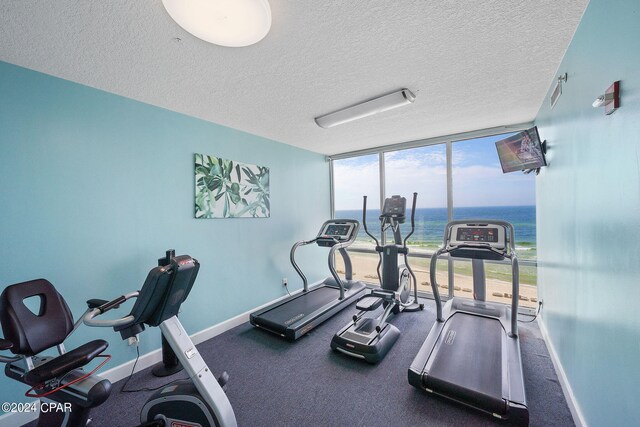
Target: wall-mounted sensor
[(610, 100), (557, 90), (599, 102)]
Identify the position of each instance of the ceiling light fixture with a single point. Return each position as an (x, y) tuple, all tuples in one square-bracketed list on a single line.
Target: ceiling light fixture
[(366, 108), (231, 23)]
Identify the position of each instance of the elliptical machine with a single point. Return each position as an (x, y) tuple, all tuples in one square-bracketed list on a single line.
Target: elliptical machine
[(197, 401), (370, 337)]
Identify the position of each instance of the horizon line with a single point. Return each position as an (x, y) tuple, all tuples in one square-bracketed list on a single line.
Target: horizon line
[(445, 207)]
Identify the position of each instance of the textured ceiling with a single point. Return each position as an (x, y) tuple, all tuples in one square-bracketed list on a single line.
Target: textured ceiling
[(472, 64)]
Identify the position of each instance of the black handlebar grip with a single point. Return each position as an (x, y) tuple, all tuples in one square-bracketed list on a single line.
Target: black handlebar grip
[(95, 303), (364, 219), (413, 209), (413, 215), (364, 212), (112, 304)]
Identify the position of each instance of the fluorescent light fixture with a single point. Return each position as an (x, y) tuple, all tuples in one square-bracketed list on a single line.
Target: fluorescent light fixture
[(232, 23), (367, 108)]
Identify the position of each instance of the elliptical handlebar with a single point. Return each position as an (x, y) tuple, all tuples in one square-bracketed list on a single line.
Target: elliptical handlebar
[(364, 223), (413, 216), (364, 220)]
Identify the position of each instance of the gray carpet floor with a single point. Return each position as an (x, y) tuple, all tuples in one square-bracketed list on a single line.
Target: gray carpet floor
[(277, 383)]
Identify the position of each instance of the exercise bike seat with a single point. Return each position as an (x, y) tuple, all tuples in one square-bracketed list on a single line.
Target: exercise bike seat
[(42, 324), (67, 362)]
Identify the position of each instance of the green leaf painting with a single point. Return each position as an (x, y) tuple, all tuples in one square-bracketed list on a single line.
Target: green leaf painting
[(229, 189)]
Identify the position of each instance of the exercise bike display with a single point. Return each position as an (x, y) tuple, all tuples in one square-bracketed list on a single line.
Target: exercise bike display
[(371, 337), (197, 401)]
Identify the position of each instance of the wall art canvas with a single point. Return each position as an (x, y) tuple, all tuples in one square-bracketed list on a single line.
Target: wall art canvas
[(230, 189)]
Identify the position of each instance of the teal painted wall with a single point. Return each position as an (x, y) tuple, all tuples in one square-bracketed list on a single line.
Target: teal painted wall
[(95, 187), (588, 210)]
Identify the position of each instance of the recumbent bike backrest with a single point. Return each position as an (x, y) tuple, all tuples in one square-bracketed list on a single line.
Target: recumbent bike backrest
[(32, 333)]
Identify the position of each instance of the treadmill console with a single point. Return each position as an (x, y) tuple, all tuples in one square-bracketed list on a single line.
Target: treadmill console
[(477, 234), (337, 231), (477, 240), (394, 207)]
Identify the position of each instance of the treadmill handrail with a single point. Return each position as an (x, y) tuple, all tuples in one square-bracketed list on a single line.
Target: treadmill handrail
[(337, 245), (434, 284), (516, 295), (332, 268), (305, 283), (480, 247), (510, 253)]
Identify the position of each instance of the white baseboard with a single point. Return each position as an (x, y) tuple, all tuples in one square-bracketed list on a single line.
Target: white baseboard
[(574, 407), (149, 359), (145, 361)]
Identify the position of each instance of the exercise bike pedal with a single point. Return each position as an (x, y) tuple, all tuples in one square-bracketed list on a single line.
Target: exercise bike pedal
[(223, 379)]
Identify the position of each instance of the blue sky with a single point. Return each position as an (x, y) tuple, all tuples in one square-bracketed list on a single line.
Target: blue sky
[(477, 177)]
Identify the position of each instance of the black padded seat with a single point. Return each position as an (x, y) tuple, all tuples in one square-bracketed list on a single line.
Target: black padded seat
[(67, 362), (35, 318)]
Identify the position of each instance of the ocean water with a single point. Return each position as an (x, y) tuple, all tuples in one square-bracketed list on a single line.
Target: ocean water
[(430, 223)]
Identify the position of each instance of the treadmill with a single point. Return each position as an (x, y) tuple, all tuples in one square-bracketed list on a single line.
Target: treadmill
[(472, 353), (296, 315)]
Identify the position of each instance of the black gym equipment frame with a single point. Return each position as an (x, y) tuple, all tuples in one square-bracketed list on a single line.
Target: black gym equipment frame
[(370, 336), (472, 353), (297, 314)]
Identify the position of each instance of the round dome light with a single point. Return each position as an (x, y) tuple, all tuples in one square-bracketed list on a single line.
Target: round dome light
[(232, 23)]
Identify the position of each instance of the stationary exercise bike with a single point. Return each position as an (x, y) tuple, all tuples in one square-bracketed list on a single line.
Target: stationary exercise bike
[(197, 401), (371, 337), (35, 318)]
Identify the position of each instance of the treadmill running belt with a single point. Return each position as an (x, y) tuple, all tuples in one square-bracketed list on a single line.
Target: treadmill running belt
[(468, 362), (296, 309)]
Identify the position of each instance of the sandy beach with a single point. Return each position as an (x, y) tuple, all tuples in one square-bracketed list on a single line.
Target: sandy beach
[(364, 268)]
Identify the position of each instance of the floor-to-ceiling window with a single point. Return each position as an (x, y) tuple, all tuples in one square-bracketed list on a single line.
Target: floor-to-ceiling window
[(353, 178), (480, 190), (455, 179), (422, 170)]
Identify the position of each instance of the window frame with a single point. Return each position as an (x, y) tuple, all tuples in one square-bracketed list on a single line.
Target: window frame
[(449, 140)]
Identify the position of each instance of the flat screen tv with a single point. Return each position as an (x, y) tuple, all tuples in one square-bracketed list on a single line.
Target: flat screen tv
[(521, 152)]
